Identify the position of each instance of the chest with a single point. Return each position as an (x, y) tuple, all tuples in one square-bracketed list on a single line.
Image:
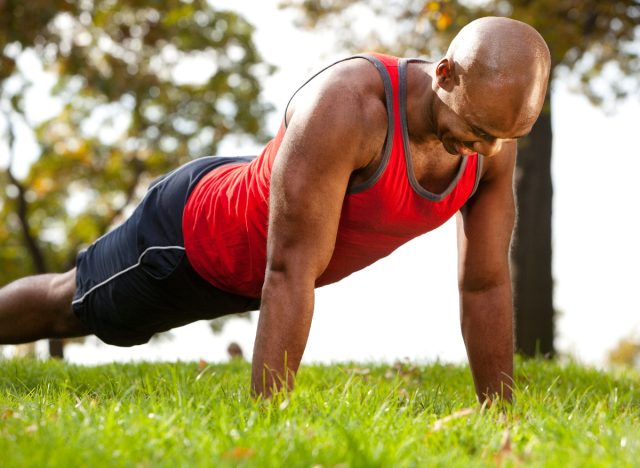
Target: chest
[(406, 201), (434, 168)]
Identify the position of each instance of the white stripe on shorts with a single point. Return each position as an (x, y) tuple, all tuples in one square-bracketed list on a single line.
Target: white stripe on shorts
[(167, 247)]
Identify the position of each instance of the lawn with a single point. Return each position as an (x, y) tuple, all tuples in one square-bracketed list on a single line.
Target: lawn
[(196, 414)]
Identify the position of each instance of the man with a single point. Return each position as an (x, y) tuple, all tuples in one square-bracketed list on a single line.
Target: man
[(373, 151)]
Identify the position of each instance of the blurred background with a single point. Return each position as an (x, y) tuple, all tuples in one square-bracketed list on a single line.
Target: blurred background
[(98, 97)]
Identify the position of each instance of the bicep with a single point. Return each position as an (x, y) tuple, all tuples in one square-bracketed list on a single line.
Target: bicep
[(485, 226)]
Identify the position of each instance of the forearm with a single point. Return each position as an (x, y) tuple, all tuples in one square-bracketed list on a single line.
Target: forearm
[(283, 328), (487, 328)]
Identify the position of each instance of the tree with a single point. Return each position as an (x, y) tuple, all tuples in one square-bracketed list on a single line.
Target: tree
[(592, 46), (140, 86)]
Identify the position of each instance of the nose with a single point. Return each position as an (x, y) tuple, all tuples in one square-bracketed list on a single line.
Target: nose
[(488, 148)]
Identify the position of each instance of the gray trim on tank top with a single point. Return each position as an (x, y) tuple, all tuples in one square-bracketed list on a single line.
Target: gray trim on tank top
[(309, 81), (388, 91), (419, 189), (388, 145), (478, 174)]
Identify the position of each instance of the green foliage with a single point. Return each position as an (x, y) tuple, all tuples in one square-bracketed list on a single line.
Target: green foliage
[(586, 37), (55, 414), (140, 87)]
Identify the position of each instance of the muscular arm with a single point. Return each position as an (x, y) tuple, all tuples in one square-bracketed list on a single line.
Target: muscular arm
[(328, 138), (486, 310)]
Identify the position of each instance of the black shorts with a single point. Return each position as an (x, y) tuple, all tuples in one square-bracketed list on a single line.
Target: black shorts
[(137, 281)]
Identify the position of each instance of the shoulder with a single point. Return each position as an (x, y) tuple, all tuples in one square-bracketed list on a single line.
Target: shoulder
[(353, 84), (355, 74), (346, 100)]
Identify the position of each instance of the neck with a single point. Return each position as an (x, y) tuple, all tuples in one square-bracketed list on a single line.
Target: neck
[(420, 98)]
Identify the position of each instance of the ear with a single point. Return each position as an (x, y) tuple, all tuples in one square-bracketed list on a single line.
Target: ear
[(445, 71)]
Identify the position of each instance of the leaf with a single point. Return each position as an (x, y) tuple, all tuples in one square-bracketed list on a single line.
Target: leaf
[(444, 21), (505, 452), (505, 446), (440, 423), (239, 453), (283, 406)]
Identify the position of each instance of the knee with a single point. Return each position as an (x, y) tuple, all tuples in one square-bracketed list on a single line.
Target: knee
[(62, 288)]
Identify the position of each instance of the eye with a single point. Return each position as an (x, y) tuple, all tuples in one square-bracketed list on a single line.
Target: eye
[(483, 135), (489, 138), (486, 137)]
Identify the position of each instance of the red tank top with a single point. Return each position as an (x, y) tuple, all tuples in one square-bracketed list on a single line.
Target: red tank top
[(226, 216)]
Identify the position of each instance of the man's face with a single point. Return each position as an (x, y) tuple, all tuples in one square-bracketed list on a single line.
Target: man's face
[(480, 118)]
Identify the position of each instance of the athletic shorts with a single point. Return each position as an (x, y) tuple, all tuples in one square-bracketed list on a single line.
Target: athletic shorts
[(136, 280)]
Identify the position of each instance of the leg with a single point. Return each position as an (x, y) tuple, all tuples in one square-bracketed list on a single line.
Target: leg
[(39, 307)]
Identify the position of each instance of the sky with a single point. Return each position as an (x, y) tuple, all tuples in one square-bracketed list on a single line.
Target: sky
[(406, 305)]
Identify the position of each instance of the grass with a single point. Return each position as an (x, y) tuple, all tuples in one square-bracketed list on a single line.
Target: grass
[(189, 414)]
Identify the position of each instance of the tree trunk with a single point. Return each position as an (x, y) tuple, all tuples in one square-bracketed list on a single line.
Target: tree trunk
[(56, 347), (531, 249)]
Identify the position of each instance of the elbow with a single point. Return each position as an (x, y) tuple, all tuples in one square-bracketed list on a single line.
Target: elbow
[(293, 267), (483, 284), (285, 277)]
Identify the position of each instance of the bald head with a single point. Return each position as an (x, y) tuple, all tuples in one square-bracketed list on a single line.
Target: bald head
[(501, 69), (503, 47)]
